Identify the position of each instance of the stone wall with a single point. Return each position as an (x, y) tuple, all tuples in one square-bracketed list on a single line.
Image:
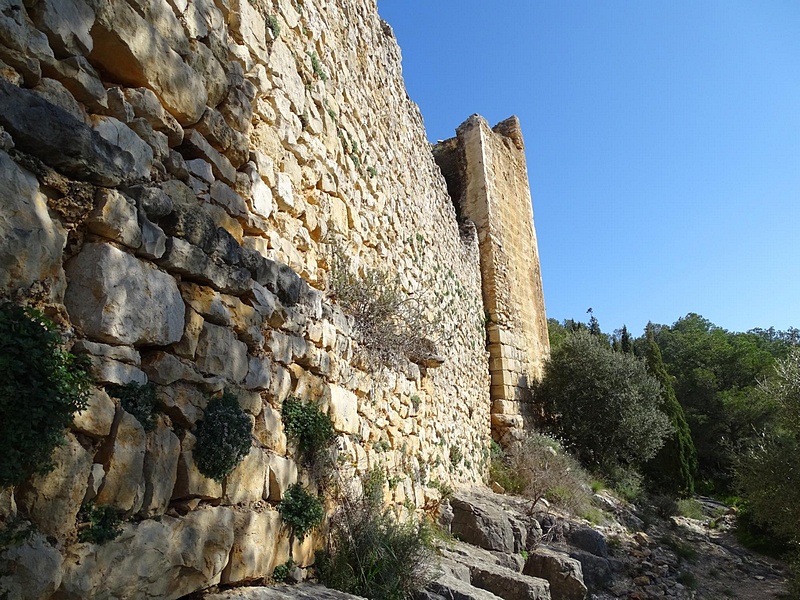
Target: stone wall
[(175, 177), (487, 178)]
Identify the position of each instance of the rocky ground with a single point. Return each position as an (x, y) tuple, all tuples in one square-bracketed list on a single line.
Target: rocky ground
[(502, 549)]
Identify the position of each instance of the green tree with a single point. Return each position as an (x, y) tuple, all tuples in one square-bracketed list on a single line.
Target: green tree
[(672, 469), (603, 404)]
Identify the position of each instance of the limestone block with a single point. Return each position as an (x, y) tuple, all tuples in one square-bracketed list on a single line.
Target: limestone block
[(164, 368), (116, 298), (154, 240), (282, 474), (187, 347), (261, 201), (202, 60), (123, 486), (119, 134), (269, 430), (19, 34), (196, 146), (151, 201), (190, 483), (224, 138), (160, 15), (210, 304), (30, 570), (248, 28), (255, 538), (282, 63), (280, 346), (66, 23), (55, 93), (31, 242), (284, 192), (247, 483), (223, 195), (183, 402), (53, 499), (220, 353), (116, 218), (202, 171), (165, 559), (564, 573), (344, 410), (157, 141), (121, 353), (96, 477), (105, 370), (186, 259), (160, 468), (132, 51), (146, 105), (79, 77), (98, 416), (482, 524), (258, 374), (250, 402)]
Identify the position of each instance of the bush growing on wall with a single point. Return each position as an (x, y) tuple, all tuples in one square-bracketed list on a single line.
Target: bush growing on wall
[(41, 386), (223, 437)]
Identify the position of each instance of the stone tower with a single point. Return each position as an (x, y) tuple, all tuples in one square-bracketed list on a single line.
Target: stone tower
[(487, 178)]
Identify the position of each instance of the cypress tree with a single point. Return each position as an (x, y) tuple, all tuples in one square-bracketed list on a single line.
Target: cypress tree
[(672, 469)]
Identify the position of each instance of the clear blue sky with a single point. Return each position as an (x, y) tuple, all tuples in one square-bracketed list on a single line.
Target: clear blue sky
[(662, 139)]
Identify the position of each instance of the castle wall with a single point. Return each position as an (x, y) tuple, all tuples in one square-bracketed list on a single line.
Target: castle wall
[(487, 176), (174, 176)]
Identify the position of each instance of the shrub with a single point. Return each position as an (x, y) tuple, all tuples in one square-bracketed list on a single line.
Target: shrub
[(138, 400), (300, 510), (603, 404), (369, 553), (309, 427), (316, 66), (690, 508), (41, 386), (281, 572), (98, 524), (223, 437)]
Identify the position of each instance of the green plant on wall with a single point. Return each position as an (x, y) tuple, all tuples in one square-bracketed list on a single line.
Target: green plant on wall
[(223, 437), (98, 524), (138, 400), (310, 428), (41, 386), (300, 510), (316, 66)]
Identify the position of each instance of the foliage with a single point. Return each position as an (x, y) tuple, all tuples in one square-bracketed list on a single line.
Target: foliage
[(456, 455), (300, 510), (41, 386), (603, 404), (138, 400), (100, 524), (310, 428), (690, 508), (672, 469), (223, 437), (387, 323), (682, 549), (688, 579), (316, 66), (369, 553), (281, 572), (14, 532), (274, 25)]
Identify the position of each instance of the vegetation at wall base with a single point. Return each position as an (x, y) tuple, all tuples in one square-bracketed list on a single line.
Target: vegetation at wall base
[(139, 400), (41, 386), (223, 437), (369, 553), (300, 510)]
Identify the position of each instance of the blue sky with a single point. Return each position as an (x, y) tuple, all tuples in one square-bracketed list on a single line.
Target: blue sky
[(662, 140)]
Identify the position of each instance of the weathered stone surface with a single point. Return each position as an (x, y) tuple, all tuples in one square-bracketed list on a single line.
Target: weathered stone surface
[(21, 40), (163, 559), (123, 486), (303, 591), (116, 218), (183, 402), (106, 370), (344, 410), (564, 573), (196, 146), (165, 369), (119, 134), (259, 374), (223, 195), (54, 92), (66, 23), (482, 524), (269, 430), (145, 104), (590, 540), (154, 202), (509, 584), (160, 15), (154, 240), (254, 544), (448, 587), (220, 353), (596, 570), (189, 260), (31, 242), (30, 570), (60, 140), (116, 298), (282, 474), (160, 468), (190, 483), (282, 63), (202, 60), (247, 482), (79, 77), (124, 354), (98, 416), (132, 51), (223, 137), (52, 500)]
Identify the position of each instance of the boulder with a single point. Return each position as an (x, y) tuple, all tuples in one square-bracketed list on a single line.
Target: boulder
[(564, 573), (22, 42), (31, 243), (66, 23), (30, 570), (119, 134), (481, 523), (590, 540), (98, 416), (116, 298), (248, 480), (255, 537), (163, 559), (597, 571), (344, 410), (123, 486), (220, 353), (183, 402), (79, 77), (282, 474), (132, 51), (115, 217), (303, 591), (190, 261), (52, 500), (60, 140), (195, 146)]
